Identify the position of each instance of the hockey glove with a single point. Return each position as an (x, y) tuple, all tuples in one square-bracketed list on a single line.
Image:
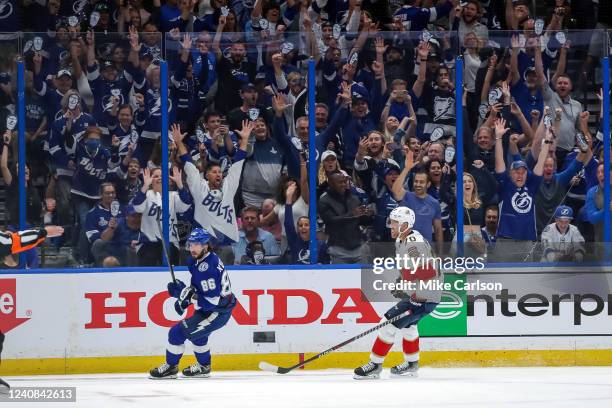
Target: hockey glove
[(184, 300), (175, 288), (180, 307)]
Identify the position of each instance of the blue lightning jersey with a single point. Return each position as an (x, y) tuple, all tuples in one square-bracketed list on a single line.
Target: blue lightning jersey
[(52, 98), (148, 121), (63, 142), (103, 91), (91, 171), (211, 282), (417, 18), (517, 209), (97, 222)]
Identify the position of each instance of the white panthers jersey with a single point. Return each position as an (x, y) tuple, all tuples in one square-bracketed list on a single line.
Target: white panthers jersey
[(423, 269), (214, 210), (563, 244), (151, 209), (414, 244)]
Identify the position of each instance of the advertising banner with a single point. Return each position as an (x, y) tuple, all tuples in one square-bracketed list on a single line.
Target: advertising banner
[(278, 311)]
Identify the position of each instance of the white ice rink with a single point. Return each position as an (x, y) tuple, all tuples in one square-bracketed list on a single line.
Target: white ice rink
[(435, 387)]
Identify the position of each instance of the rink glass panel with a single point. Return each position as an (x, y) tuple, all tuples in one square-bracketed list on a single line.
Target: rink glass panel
[(106, 43)]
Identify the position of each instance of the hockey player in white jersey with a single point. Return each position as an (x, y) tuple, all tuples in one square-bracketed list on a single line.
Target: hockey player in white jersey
[(562, 241), (148, 202), (418, 303), (214, 196)]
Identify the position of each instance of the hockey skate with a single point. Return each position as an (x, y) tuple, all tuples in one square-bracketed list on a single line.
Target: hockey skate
[(163, 372), (406, 369), (4, 387), (197, 371), (370, 370)]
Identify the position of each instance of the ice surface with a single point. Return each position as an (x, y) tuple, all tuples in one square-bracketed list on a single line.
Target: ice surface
[(435, 387)]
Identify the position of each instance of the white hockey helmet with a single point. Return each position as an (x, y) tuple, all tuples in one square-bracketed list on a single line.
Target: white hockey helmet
[(403, 215)]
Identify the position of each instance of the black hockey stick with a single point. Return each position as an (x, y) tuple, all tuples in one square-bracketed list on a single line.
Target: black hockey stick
[(284, 370), (163, 240)]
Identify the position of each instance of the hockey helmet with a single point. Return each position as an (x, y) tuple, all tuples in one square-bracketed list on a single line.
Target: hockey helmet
[(199, 236), (403, 215)]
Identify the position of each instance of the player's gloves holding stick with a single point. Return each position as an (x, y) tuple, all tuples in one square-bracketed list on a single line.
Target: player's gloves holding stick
[(175, 288), (184, 299)]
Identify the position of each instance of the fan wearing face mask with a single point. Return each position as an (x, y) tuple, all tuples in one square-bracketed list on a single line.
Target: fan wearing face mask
[(92, 162), (255, 254)]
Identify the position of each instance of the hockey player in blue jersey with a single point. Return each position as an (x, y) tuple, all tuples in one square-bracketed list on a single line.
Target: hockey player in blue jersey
[(211, 293)]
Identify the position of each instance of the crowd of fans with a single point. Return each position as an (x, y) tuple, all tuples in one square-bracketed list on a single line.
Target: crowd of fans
[(385, 122)]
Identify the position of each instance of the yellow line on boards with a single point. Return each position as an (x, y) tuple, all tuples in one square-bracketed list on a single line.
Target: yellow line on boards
[(232, 362)]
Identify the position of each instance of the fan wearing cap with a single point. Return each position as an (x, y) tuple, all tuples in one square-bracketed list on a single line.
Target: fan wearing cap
[(329, 165), (234, 71), (128, 235), (562, 241), (107, 20), (517, 190), (524, 89), (110, 90), (249, 109), (52, 91), (415, 18), (353, 119)]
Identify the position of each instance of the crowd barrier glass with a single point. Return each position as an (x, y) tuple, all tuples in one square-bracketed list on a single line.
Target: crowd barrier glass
[(226, 95), (13, 214), (547, 90), (216, 82), (86, 179)]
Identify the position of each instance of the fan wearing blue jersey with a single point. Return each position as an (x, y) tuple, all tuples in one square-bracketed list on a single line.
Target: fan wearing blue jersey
[(211, 293), (107, 86), (416, 18), (51, 91), (517, 190)]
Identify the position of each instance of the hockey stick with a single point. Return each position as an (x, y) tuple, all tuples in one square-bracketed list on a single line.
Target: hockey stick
[(163, 240), (284, 370)]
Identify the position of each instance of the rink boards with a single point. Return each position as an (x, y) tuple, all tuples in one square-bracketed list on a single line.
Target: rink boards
[(117, 322)]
